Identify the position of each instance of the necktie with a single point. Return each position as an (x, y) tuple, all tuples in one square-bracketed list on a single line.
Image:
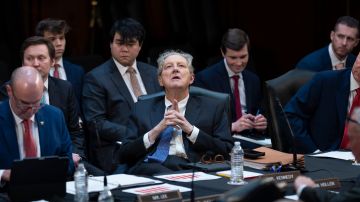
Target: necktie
[(356, 103), (134, 81), (235, 78), (29, 142), (56, 71), (162, 149), (340, 65)]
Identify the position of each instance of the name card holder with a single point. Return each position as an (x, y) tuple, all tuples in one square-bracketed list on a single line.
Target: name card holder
[(328, 183), (282, 176), (161, 196)]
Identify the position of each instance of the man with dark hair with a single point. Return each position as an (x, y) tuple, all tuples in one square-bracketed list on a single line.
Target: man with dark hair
[(55, 30), (336, 55), (166, 132), (29, 129), (111, 90), (230, 76)]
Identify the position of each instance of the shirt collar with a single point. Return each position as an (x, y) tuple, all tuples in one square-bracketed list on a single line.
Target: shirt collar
[(18, 120), (182, 103), (230, 72), (60, 62), (333, 58), (353, 83), (122, 69)]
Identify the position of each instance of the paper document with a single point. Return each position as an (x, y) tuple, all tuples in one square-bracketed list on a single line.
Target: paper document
[(93, 186), (187, 177), (292, 197), (343, 155), (247, 174), (124, 180), (156, 189)]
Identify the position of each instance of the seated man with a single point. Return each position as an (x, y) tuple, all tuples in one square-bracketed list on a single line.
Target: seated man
[(317, 112), (167, 132), (27, 128), (337, 55), (230, 76), (305, 187)]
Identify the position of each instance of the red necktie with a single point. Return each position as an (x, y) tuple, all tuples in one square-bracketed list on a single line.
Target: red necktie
[(355, 103), (56, 71), (235, 78), (29, 142)]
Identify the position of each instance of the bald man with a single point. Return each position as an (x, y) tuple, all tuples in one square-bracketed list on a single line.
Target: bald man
[(27, 128)]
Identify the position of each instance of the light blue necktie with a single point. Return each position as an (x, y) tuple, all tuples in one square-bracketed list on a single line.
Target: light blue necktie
[(162, 149)]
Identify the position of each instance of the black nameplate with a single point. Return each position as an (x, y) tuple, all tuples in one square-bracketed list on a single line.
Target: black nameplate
[(162, 196), (328, 183), (209, 198), (282, 176)]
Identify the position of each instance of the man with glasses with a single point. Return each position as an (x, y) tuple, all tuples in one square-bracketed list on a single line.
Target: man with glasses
[(39, 53), (337, 55), (28, 128)]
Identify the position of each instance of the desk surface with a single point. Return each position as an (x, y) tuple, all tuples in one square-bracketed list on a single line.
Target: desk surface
[(316, 168)]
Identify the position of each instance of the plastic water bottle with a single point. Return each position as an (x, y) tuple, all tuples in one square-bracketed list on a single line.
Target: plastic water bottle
[(237, 165), (81, 184), (105, 195)]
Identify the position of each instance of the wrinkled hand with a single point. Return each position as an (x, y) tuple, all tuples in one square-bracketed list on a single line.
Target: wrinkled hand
[(260, 122), (6, 175), (302, 180), (245, 122)]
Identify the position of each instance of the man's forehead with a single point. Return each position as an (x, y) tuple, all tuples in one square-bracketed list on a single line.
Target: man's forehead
[(37, 49), (119, 37)]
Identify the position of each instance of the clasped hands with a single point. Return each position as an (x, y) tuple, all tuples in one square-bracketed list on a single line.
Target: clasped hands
[(172, 117), (248, 122)]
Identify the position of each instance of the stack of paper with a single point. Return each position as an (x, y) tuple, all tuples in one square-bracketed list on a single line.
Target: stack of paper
[(247, 174), (188, 177)]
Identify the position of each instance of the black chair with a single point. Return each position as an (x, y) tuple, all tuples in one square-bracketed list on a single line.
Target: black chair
[(278, 92), (201, 92)]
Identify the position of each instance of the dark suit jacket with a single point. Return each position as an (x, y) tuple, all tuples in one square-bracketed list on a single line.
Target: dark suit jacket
[(61, 95), (107, 100), (319, 195), (319, 60), (53, 135), (216, 78), (205, 113), (317, 112), (75, 75)]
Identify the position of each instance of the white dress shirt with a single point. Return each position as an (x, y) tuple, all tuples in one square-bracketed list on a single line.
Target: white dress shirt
[(62, 73), (176, 144), (126, 78)]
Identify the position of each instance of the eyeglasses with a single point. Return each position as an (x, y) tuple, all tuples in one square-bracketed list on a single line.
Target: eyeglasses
[(207, 159), (26, 106)]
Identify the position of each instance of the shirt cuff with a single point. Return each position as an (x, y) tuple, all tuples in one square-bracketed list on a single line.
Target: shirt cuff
[(194, 134), (1, 182), (300, 189), (146, 140)]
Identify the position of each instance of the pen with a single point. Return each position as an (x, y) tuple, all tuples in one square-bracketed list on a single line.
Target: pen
[(258, 112)]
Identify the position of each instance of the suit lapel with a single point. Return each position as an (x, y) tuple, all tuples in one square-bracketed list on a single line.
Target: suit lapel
[(224, 76), (7, 118), (157, 113), (41, 123), (120, 83), (52, 91), (146, 78), (248, 91)]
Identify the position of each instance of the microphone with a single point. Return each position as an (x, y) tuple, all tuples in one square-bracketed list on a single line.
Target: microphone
[(294, 164)]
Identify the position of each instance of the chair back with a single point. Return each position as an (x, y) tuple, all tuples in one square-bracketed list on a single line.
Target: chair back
[(278, 92)]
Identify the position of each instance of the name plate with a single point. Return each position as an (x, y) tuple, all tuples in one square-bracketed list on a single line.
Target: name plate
[(162, 196), (328, 183), (282, 176), (209, 198)]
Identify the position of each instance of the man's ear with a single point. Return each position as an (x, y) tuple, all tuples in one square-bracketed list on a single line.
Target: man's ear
[(9, 90), (160, 81), (192, 78)]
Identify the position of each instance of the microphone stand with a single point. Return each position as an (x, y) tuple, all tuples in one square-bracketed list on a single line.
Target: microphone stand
[(294, 164)]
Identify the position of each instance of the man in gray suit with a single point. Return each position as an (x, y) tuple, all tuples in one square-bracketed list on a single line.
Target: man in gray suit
[(111, 90)]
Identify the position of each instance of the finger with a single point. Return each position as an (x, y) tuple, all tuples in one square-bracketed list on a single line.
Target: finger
[(175, 105)]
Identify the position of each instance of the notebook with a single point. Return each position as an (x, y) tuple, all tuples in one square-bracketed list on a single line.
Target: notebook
[(38, 178)]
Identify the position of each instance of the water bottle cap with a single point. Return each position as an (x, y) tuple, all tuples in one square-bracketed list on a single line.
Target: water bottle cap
[(237, 143)]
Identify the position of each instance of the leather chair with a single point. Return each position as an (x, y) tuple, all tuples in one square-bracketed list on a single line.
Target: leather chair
[(278, 92), (202, 92)]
